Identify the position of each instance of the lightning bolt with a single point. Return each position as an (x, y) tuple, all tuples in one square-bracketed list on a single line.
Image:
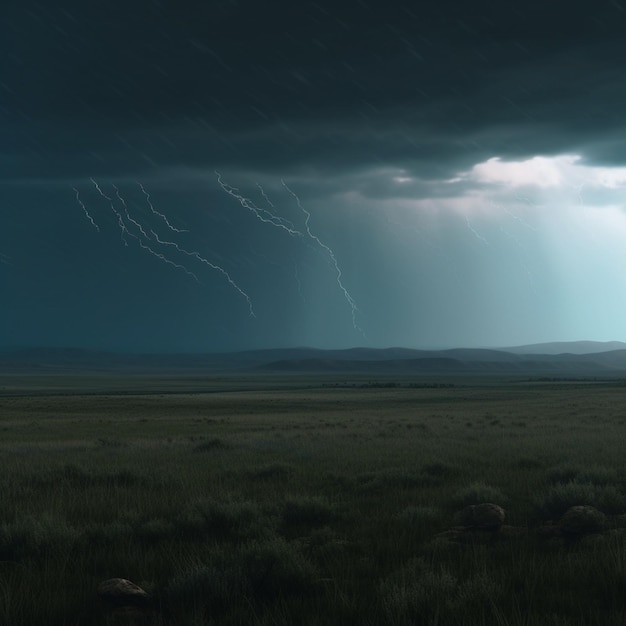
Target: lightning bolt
[(154, 237), (265, 216), (475, 232), (82, 204), (163, 258), (197, 256), (120, 221), (281, 219), (520, 220), (332, 257), (172, 228), (128, 216), (126, 232)]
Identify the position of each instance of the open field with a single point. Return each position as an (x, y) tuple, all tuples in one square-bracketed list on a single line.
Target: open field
[(308, 500)]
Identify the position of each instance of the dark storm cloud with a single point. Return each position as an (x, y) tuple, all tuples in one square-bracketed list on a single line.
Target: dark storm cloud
[(374, 113), (118, 88)]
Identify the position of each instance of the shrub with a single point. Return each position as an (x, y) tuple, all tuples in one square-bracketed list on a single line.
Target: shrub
[(562, 496), (438, 470), (418, 594), (259, 570), (529, 463), (419, 516), (34, 536), (107, 534), (272, 471), (235, 520), (380, 481), (477, 493), (73, 474), (276, 567), (322, 542), (155, 530), (124, 478), (106, 442), (595, 475), (306, 512), (212, 587), (211, 445), (190, 524), (415, 593)]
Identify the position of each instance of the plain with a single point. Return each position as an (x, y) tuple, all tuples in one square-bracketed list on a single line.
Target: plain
[(308, 499)]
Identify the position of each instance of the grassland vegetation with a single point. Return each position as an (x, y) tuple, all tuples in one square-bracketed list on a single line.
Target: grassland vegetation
[(317, 504)]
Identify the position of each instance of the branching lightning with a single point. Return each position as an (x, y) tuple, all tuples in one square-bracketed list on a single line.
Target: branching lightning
[(172, 228), (82, 204), (269, 217), (126, 232), (145, 239), (265, 216), (120, 221), (163, 258), (332, 257), (128, 216), (282, 219), (197, 256)]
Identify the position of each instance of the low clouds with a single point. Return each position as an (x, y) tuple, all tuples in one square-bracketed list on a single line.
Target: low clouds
[(437, 88)]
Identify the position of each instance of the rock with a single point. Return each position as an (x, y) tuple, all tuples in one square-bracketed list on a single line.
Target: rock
[(582, 520), (122, 593), (486, 516)]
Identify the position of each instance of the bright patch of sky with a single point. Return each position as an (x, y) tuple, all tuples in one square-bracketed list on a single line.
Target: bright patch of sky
[(535, 239)]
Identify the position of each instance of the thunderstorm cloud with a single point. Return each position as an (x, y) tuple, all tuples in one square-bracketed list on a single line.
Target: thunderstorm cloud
[(427, 175)]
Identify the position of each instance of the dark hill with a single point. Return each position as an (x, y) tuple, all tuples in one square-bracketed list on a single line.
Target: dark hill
[(366, 360)]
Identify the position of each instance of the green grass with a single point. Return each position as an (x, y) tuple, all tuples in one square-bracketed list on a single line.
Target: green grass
[(311, 504)]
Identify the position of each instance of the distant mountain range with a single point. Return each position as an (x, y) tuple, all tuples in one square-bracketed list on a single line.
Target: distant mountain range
[(581, 358), (565, 347)]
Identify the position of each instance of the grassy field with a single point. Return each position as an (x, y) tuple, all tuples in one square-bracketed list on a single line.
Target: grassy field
[(307, 500)]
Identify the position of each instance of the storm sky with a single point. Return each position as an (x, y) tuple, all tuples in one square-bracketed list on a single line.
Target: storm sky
[(234, 174)]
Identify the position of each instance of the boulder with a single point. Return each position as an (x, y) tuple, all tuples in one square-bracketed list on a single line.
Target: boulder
[(582, 520), (486, 516), (121, 592)]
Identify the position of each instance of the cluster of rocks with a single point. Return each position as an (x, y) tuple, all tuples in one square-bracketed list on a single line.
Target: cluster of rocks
[(485, 522)]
